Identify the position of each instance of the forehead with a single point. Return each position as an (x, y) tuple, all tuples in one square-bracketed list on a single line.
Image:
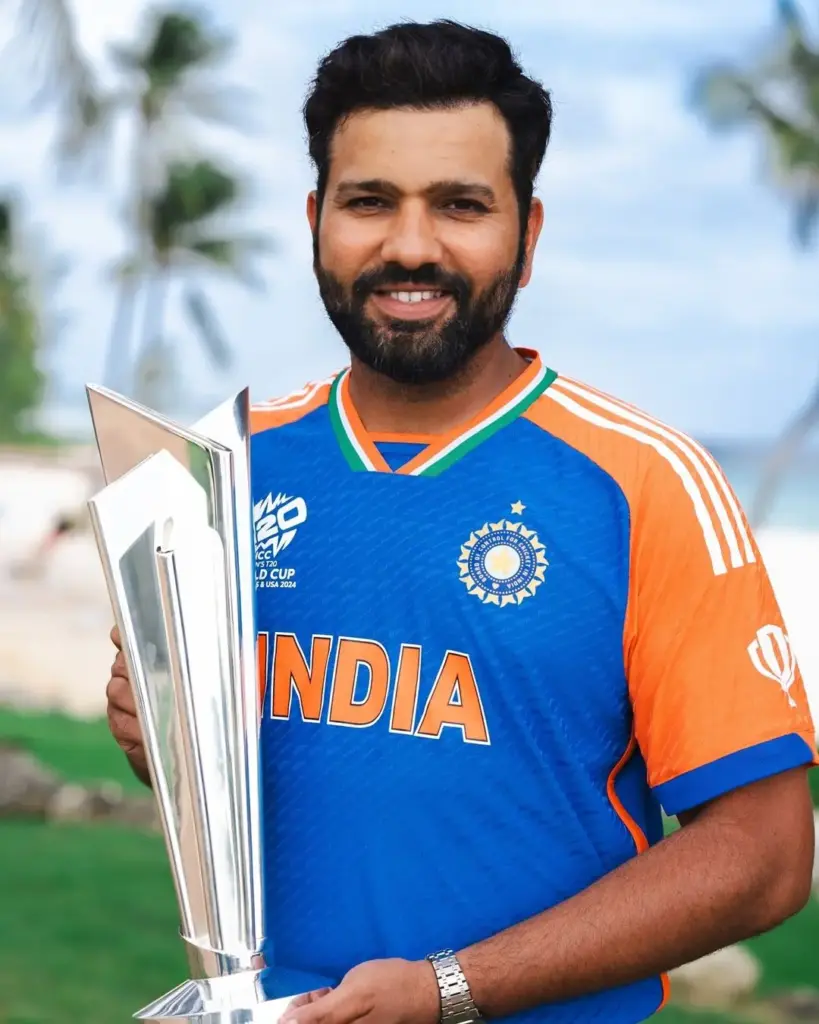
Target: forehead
[(413, 147)]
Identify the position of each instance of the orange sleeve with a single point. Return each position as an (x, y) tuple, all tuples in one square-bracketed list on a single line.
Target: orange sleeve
[(278, 412), (717, 694)]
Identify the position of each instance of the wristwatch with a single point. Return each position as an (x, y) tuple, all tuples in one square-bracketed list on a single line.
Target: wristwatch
[(457, 1004)]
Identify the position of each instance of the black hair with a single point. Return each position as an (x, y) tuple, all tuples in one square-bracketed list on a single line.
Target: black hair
[(442, 64)]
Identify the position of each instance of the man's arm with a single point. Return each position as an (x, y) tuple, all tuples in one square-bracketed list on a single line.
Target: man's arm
[(738, 867)]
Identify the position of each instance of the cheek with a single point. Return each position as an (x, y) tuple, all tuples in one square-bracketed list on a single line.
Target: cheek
[(346, 248), (484, 259)]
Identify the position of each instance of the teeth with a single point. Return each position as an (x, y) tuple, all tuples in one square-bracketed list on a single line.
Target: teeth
[(415, 296)]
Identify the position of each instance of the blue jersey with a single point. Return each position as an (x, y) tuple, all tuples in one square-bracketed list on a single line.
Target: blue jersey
[(488, 659)]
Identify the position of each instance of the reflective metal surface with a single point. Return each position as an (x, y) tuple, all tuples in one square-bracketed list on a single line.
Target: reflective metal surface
[(173, 527), (214, 1001)]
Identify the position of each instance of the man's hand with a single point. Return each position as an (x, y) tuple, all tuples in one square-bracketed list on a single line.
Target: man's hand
[(122, 716), (383, 991)]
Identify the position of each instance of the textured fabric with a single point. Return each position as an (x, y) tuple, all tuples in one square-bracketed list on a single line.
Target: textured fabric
[(464, 721)]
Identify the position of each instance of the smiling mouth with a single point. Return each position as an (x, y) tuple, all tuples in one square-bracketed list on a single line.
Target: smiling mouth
[(412, 297), (417, 304)]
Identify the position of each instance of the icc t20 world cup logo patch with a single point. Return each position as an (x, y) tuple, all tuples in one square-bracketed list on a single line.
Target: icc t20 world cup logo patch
[(275, 524)]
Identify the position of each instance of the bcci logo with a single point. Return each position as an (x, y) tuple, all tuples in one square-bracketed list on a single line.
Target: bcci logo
[(275, 522), (503, 563), (772, 656)]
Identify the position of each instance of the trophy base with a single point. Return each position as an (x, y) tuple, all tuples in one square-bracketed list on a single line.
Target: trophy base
[(247, 997), (233, 999)]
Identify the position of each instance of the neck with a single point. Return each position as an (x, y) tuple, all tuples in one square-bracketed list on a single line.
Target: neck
[(386, 407)]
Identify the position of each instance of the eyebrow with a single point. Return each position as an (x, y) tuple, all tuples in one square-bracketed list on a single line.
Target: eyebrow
[(435, 190)]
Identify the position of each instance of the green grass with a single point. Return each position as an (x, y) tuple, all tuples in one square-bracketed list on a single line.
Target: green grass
[(813, 777), (790, 954), (88, 923), (677, 1015), (32, 439), (81, 751)]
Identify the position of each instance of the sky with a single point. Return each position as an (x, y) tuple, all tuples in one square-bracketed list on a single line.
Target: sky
[(666, 272)]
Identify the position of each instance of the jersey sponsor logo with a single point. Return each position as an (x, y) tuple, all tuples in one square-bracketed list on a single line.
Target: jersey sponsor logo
[(275, 524), (352, 682), (503, 563), (772, 655)]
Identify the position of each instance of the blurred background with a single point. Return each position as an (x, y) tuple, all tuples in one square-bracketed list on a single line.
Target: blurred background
[(152, 238)]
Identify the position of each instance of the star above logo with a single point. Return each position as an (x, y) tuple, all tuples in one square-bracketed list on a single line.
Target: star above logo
[(518, 508)]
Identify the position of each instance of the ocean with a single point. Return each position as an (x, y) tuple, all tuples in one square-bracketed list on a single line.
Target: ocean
[(796, 504)]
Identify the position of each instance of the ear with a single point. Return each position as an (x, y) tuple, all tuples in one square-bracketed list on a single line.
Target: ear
[(312, 211), (533, 228)]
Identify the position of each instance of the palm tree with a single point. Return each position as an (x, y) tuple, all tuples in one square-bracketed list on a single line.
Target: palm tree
[(168, 87), (168, 76), (189, 230), (777, 95), (44, 56)]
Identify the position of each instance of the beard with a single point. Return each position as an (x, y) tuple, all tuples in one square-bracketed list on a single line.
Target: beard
[(419, 351)]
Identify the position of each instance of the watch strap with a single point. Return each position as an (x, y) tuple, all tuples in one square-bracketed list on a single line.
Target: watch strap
[(457, 1004)]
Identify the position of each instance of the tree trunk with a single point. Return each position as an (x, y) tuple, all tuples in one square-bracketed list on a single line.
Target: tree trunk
[(119, 359), (124, 350), (151, 362)]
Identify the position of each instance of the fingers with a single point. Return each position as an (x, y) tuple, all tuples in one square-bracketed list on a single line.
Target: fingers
[(125, 729), (338, 1006), (123, 722), (308, 997), (122, 713), (119, 694), (119, 668)]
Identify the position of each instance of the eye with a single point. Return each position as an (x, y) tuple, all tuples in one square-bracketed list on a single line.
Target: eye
[(465, 206), (366, 203)]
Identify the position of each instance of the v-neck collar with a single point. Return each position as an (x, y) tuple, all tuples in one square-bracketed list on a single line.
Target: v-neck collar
[(360, 449)]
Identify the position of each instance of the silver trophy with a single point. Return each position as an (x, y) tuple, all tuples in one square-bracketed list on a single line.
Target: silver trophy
[(174, 530)]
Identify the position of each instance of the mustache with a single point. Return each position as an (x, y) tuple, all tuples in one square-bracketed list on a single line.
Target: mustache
[(428, 275)]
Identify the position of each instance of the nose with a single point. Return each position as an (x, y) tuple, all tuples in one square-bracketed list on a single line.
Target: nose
[(412, 239)]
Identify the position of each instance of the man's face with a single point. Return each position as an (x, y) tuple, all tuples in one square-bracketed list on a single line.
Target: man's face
[(418, 248)]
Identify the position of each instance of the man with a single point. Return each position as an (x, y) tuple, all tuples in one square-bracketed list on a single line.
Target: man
[(503, 618)]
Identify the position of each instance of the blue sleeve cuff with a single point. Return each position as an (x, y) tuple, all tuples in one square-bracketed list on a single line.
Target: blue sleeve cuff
[(732, 771)]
